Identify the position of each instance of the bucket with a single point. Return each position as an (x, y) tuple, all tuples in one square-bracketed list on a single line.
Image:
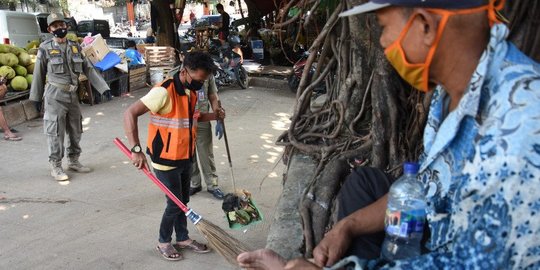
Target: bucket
[(156, 75)]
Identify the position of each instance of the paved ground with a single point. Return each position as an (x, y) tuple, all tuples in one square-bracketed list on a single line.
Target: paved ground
[(109, 219), (257, 69)]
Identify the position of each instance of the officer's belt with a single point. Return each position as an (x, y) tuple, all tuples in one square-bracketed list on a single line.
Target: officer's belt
[(64, 87)]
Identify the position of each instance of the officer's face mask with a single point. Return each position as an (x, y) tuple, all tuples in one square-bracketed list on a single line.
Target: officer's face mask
[(193, 85), (417, 74), (60, 32)]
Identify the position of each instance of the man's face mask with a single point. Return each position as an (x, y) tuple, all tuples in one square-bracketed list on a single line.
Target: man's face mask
[(193, 85), (60, 32), (417, 74)]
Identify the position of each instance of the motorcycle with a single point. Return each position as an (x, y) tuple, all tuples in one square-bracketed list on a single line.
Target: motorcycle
[(187, 41), (229, 63), (298, 69), (229, 68)]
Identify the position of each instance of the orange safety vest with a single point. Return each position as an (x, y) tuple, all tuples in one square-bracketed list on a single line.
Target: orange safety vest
[(171, 137)]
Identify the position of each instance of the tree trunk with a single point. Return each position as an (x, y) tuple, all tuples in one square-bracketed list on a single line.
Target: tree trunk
[(165, 32), (525, 25)]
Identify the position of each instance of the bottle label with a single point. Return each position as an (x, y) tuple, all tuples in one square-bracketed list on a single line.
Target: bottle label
[(404, 223)]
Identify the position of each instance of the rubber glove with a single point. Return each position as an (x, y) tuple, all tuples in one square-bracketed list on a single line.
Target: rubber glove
[(219, 130)]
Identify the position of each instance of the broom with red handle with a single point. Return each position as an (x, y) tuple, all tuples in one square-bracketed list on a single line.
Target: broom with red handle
[(226, 245)]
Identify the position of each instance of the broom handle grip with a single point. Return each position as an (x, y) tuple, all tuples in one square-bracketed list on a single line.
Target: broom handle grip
[(152, 177)]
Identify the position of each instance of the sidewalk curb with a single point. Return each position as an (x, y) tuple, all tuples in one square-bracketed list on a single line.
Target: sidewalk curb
[(20, 112), (285, 235)]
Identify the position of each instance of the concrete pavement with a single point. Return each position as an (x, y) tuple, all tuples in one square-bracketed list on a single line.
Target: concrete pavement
[(109, 219)]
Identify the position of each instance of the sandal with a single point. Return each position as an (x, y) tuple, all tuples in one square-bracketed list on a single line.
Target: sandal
[(170, 253), (194, 246), (12, 138)]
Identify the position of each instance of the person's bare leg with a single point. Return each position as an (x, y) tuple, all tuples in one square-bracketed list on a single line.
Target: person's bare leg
[(262, 259), (4, 126)]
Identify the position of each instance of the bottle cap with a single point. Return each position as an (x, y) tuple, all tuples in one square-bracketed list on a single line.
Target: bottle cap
[(410, 167)]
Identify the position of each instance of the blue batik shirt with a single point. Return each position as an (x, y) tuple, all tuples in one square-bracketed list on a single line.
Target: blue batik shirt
[(481, 168)]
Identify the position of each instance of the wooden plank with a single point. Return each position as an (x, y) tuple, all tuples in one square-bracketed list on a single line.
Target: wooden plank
[(14, 96), (137, 71), (160, 56)]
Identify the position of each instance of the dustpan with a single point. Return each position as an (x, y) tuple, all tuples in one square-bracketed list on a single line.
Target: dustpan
[(240, 210), (240, 201)]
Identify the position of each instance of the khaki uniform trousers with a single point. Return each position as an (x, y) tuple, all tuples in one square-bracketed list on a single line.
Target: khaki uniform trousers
[(206, 159), (62, 117)]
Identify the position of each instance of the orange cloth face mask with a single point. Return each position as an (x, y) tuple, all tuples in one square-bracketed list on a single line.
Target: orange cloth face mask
[(417, 75)]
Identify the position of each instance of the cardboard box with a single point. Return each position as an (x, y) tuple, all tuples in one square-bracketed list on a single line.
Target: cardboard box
[(97, 50)]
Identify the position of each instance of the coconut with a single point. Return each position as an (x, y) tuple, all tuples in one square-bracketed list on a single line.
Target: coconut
[(20, 70), (30, 69), (24, 59), (8, 72), (4, 48), (29, 78), (9, 59), (32, 45), (72, 37), (19, 83)]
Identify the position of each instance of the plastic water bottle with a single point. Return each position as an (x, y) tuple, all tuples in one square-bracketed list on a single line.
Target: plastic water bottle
[(405, 216)]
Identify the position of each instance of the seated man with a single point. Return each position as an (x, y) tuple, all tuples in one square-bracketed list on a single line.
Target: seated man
[(481, 163), (135, 57), (8, 132)]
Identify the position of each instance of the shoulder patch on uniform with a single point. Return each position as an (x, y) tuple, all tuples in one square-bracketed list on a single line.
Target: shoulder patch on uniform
[(44, 43), (74, 49)]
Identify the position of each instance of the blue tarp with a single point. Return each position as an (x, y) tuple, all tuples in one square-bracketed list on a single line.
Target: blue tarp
[(109, 61)]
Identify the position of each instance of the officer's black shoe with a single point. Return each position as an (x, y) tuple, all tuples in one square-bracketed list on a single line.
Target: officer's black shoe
[(194, 190), (217, 193)]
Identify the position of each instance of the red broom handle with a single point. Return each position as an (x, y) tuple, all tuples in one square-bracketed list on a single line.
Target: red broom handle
[(154, 179)]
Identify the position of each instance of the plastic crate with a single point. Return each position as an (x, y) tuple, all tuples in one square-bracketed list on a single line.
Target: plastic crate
[(119, 87), (110, 74)]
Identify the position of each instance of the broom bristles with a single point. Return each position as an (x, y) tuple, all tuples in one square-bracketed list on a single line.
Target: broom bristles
[(226, 245)]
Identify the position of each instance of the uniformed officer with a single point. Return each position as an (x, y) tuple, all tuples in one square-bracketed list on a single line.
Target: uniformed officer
[(56, 79), (207, 97)]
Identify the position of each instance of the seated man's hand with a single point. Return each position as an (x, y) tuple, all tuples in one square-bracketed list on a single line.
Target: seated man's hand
[(333, 246)]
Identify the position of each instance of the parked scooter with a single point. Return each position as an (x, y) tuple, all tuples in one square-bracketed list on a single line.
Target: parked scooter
[(296, 76), (187, 41), (229, 63)]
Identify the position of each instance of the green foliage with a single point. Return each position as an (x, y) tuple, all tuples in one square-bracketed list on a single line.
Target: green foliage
[(64, 5), (5, 2)]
